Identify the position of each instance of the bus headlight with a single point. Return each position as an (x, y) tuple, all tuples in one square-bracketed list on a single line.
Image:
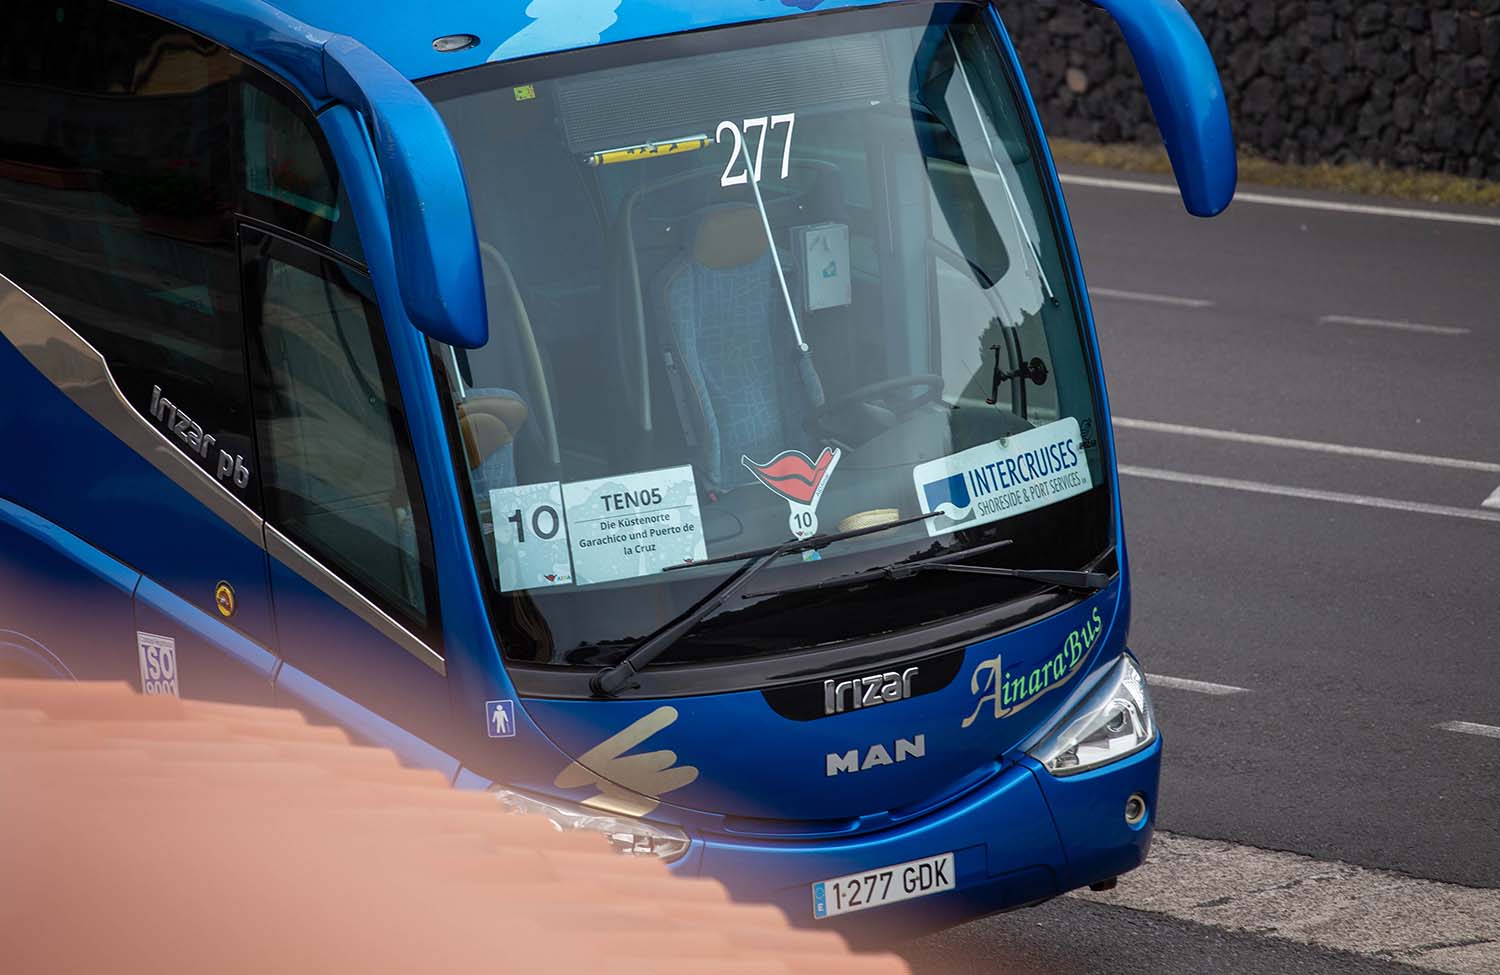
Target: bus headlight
[(1113, 721), (628, 836)]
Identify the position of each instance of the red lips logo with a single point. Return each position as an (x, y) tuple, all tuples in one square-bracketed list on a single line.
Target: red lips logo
[(792, 474)]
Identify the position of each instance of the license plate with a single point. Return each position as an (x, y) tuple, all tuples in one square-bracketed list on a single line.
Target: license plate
[(883, 885)]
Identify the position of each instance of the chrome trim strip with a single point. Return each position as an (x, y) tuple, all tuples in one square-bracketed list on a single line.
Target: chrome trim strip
[(74, 366), (287, 552)]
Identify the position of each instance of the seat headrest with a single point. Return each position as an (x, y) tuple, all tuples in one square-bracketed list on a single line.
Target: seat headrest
[(482, 435), (730, 236), (487, 423)]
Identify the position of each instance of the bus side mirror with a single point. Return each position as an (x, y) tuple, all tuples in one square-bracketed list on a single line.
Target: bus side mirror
[(432, 228), (1186, 97)]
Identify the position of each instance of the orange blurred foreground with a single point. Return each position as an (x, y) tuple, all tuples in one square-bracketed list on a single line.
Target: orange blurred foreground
[(157, 835)]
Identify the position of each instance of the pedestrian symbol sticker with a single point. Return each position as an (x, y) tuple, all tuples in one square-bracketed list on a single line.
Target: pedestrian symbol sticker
[(500, 716)]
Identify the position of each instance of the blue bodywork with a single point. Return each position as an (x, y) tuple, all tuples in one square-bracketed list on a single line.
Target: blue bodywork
[(1183, 86), (1019, 834)]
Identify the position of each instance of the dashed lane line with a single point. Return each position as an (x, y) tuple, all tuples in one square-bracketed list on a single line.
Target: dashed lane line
[(1309, 494), (1149, 298), (1197, 686), (1265, 440), (1345, 450), (1360, 910), (1295, 202), (1469, 728), (1387, 323)]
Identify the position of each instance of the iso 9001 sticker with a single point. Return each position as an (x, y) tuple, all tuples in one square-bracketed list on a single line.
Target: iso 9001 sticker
[(883, 885)]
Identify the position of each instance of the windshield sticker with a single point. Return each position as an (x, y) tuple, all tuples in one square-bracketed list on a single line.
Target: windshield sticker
[(1003, 479), (798, 478), (649, 150), (764, 126), (632, 525), (1011, 694), (630, 785), (531, 536)]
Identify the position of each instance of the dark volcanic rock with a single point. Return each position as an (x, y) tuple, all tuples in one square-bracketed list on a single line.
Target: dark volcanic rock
[(1393, 82)]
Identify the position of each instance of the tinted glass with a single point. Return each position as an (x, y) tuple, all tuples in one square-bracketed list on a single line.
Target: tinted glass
[(339, 475), (126, 147), (759, 282), (116, 199), (287, 175)]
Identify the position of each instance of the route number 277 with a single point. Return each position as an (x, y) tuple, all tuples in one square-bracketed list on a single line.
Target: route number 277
[(764, 124)]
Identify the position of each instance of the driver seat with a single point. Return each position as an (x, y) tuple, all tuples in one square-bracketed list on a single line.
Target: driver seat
[(727, 349)]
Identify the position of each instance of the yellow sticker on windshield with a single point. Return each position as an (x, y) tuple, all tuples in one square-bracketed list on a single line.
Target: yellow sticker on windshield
[(524, 93), (648, 150)]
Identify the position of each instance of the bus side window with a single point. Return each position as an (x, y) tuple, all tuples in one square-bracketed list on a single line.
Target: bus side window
[(339, 477), (288, 176), (117, 189)]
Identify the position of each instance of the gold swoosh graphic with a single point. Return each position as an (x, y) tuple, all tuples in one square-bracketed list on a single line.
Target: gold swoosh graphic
[(629, 784)]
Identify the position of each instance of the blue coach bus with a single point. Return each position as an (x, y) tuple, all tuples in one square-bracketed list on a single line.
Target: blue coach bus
[(682, 420)]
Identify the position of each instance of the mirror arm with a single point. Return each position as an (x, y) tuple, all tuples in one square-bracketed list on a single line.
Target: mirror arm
[(432, 228), (1186, 96)]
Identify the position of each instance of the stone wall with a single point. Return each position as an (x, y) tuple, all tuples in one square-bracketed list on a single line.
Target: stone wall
[(1411, 85)]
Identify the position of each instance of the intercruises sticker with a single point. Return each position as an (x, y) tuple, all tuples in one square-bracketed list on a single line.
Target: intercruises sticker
[(1004, 478), (631, 525)]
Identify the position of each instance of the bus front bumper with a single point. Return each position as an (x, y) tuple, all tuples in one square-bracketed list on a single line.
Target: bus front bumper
[(1024, 837)]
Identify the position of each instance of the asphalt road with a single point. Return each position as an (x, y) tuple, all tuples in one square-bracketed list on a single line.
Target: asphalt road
[(1307, 404)]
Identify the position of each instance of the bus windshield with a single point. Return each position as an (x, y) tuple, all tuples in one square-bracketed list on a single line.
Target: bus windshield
[(755, 284)]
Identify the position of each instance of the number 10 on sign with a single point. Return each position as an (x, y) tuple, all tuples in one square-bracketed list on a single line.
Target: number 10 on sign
[(531, 536)]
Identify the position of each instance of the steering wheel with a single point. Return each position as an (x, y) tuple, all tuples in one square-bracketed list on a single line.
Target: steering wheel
[(931, 384)]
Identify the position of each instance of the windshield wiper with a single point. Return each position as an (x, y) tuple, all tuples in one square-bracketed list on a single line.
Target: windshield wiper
[(613, 679), (948, 562)]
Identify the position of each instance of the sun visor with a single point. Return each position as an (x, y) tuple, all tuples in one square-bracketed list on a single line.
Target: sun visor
[(645, 102)]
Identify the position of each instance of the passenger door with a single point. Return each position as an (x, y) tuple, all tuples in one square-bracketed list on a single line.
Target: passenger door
[(351, 555)]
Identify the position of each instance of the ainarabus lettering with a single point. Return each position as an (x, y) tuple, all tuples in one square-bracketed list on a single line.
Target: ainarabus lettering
[(1010, 693)]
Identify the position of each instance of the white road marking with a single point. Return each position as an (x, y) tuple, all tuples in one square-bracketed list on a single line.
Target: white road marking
[(1386, 323), (1493, 501), (1330, 905), (1410, 213), (1470, 728), (1264, 440), (1309, 494), (1150, 298), (1200, 686)]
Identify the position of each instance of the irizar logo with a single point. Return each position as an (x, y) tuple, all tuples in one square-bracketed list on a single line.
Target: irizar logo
[(850, 761), (178, 423), (864, 692)]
